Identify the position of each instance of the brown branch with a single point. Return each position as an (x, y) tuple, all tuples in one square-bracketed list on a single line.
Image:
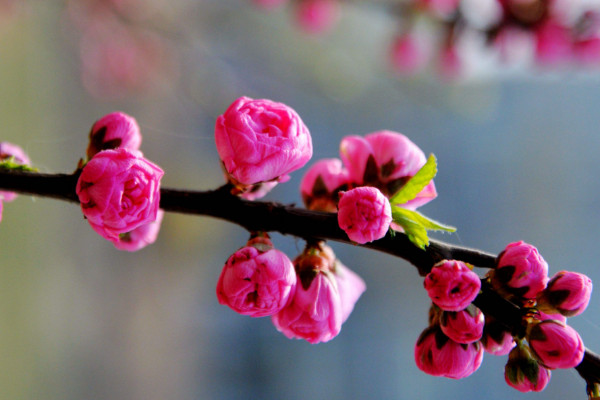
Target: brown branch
[(287, 219)]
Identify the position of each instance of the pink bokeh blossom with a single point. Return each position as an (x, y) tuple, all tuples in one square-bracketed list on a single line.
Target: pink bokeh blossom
[(317, 16)]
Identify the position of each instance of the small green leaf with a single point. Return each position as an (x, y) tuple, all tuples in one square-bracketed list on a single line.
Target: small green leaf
[(417, 183), (416, 225), (426, 222), (10, 163), (416, 232)]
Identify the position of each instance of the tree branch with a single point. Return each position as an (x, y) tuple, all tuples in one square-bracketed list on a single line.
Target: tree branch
[(306, 224)]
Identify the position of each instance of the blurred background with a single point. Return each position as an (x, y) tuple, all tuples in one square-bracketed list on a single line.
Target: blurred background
[(518, 159)]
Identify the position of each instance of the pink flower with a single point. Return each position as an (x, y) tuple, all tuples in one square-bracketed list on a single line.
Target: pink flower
[(385, 160), (257, 280), (464, 326), (364, 213), (520, 271), (523, 371), (322, 183), (8, 151), (351, 287), (438, 355), (114, 130), (141, 236), (496, 339), (315, 312), (567, 292), (452, 285), (317, 16), (555, 344), (261, 141), (119, 191)]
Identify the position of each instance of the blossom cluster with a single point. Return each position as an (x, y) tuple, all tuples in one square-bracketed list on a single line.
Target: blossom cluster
[(119, 189), (464, 37), (453, 344), (371, 170), (379, 180), (309, 298), (260, 142)]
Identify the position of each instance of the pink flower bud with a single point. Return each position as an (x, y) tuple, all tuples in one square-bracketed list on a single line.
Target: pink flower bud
[(261, 141), (555, 344), (386, 160), (257, 280), (322, 183), (8, 151), (496, 339), (520, 271), (351, 287), (119, 190), (114, 130), (567, 292), (464, 326), (523, 372), (364, 213), (141, 236), (317, 16), (438, 355), (452, 285), (315, 311)]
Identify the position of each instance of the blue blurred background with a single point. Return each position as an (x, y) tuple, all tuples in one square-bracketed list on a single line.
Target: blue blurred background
[(518, 159)]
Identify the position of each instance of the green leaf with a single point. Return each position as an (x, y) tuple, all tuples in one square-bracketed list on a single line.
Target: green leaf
[(417, 183), (416, 225), (415, 232), (10, 163), (426, 222)]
